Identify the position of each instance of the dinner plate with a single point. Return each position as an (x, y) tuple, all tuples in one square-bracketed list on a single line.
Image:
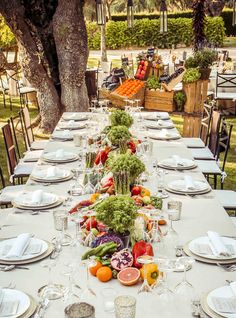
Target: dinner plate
[(41, 176), (157, 116), (204, 240), (169, 136), (178, 186), (170, 163), (74, 116), (67, 157), (17, 295), (71, 126), (156, 125), (225, 292), (9, 242), (62, 135), (24, 199)]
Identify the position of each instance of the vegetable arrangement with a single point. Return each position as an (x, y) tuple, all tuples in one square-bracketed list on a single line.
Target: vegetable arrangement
[(118, 134), (120, 118)]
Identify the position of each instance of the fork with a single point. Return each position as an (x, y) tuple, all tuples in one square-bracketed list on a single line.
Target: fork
[(227, 268)]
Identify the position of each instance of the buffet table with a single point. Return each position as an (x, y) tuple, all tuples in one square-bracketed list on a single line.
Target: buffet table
[(199, 214)]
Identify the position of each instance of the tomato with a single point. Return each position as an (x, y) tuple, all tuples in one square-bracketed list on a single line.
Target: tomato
[(91, 223), (136, 190)]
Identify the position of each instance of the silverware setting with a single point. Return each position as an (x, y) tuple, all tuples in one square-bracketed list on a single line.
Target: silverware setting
[(7, 268), (197, 309), (227, 267), (31, 212), (42, 306), (11, 285)]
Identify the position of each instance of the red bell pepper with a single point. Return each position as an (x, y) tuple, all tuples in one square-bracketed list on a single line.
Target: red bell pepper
[(102, 156), (132, 146), (139, 249)]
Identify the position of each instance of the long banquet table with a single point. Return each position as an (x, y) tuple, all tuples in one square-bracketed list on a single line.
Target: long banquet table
[(199, 214)]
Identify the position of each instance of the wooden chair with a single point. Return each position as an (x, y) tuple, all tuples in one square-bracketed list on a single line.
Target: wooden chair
[(226, 90), (203, 139), (31, 143), (17, 170)]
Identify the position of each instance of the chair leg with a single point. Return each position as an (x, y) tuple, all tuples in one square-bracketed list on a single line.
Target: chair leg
[(4, 99), (10, 101)]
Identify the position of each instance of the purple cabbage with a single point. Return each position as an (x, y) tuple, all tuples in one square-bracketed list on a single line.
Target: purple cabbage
[(109, 237)]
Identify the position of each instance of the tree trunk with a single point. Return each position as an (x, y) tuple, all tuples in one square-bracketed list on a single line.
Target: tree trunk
[(103, 38), (71, 43), (34, 69), (108, 10)]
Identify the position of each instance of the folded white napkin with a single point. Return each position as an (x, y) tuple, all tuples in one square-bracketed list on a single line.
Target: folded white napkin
[(65, 132), (51, 172), (37, 197), (71, 122), (19, 246), (217, 245), (177, 160), (161, 122), (60, 154), (233, 288), (189, 183), (164, 133)]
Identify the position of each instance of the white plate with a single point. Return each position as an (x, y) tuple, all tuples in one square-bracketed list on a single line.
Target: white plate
[(205, 240), (225, 292), (62, 134), (74, 116), (24, 257), (24, 199), (169, 136), (73, 126), (42, 175), (156, 125), (24, 301), (51, 156), (170, 163), (179, 185), (156, 116)]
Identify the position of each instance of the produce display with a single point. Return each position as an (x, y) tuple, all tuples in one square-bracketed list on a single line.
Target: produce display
[(129, 87), (168, 79), (142, 70), (116, 222)]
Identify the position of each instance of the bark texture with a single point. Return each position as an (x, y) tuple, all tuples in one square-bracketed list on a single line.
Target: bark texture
[(71, 43)]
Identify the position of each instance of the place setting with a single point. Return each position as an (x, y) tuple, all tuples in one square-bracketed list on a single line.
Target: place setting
[(67, 116), (60, 156), (51, 174), (220, 302), (71, 125), (176, 162), (188, 186), (164, 134), (156, 116), (159, 124), (24, 249), (213, 249), (62, 135)]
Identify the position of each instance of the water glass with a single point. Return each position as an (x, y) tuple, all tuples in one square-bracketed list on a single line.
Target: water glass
[(60, 220), (125, 307), (78, 140), (174, 209), (108, 295), (80, 310)]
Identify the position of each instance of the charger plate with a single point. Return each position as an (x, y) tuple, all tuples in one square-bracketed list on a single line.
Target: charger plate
[(206, 260), (207, 309), (32, 308), (31, 260), (38, 208)]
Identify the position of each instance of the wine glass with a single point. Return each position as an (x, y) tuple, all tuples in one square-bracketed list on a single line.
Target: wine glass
[(88, 294), (161, 192), (89, 187), (60, 224), (145, 259), (77, 188), (69, 271), (165, 265), (80, 235), (90, 236)]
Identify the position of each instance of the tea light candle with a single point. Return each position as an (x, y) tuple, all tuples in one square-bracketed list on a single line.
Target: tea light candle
[(109, 305)]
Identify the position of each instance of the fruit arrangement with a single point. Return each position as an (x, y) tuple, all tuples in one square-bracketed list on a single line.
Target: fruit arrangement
[(129, 87), (142, 70)]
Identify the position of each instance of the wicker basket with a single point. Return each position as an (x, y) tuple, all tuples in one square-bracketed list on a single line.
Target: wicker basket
[(159, 100)]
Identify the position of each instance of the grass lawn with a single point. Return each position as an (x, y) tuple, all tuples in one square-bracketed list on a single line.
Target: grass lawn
[(5, 113), (230, 41)]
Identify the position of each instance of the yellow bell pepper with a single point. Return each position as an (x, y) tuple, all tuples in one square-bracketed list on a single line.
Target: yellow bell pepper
[(151, 271)]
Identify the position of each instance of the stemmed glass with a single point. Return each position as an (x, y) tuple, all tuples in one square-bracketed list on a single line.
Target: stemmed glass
[(88, 294), (145, 259), (69, 271), (60, 223), (80, 236), (77, 188), (90, 237), (89, 187), (155, 234), (161, 193), (185, 287)]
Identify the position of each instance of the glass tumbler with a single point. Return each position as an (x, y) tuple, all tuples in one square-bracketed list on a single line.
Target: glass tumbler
[(125, 307), (80, 310), (108, 295)]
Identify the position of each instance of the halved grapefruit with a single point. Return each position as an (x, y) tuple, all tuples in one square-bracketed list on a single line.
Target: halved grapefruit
[(128, 276)]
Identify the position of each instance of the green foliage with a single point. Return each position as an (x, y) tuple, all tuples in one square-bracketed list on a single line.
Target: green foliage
[(146, 33), (119, 117), (117, 212), (118, 134), (180, 100), (191, 75), (201, 59), (7, 38), (153, 82), (128, 162)]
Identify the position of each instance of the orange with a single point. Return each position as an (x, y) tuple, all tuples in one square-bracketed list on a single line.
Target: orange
[(104, 274), (93, 269)]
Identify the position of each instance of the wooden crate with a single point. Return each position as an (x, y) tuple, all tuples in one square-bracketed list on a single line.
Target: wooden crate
[(192, 124), (196, 96), (120, 101), (159, 100), (169, 87)]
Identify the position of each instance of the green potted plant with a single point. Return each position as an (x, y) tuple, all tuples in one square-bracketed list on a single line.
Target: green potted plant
[(180, 100), (119, 117), (118, 213), (153, 83), (191, 75)]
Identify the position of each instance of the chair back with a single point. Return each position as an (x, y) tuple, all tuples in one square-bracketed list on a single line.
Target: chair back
[(4, 82), (227, 82), (214, 132), (26, 124), (10, 147), (206, 123), (224, 141)]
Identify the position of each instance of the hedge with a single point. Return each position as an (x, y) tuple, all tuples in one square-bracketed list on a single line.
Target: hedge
[(7, 38), (146, 33), (227, 15)]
